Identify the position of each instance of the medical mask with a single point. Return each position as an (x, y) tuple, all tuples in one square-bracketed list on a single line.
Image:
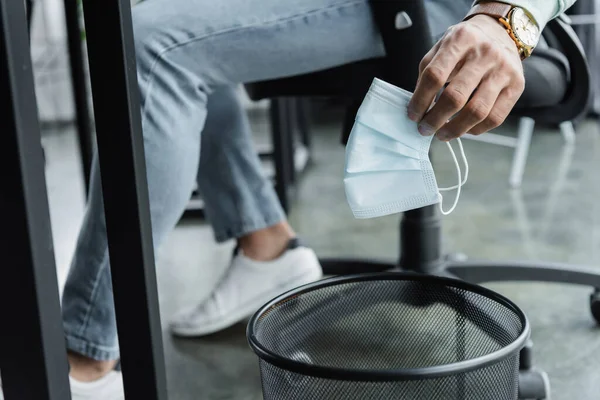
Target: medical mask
[(387, 160)]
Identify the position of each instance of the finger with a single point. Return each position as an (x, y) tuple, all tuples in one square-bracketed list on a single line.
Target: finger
[(428, 57), (422, 65), (434, 77), (456, 70), (498, 114), (454, 97), (502, 108), (475, 111)]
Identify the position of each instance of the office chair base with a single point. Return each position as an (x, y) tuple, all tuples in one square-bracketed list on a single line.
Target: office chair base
[(495, 271), (478, 272), (534, 385)]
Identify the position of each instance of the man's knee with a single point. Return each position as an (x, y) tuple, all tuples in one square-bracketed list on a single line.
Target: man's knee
[(147, 32)]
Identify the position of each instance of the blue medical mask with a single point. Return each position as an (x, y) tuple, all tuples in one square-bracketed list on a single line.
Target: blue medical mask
[(387, 160)]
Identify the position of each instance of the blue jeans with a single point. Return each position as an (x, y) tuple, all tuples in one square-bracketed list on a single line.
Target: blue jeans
[(190, 56)]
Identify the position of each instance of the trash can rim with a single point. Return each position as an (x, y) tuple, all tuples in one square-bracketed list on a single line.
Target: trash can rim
[(400, 374)]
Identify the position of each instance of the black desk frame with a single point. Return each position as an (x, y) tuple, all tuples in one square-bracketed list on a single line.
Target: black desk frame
[(28, 283), (32, 339)]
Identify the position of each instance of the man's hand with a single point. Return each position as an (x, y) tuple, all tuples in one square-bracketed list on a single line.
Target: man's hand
[(481, 63)]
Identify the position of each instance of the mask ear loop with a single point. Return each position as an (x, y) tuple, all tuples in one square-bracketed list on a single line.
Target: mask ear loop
[(461, 182)]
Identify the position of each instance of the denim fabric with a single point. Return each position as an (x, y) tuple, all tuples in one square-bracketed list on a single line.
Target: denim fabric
[(190, 54)]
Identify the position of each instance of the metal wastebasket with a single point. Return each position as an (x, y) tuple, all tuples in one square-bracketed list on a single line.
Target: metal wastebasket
[(389, 336)]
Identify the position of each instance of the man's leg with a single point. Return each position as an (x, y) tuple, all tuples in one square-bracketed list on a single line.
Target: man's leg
[(186, 49), (241, 204), (239, 199)]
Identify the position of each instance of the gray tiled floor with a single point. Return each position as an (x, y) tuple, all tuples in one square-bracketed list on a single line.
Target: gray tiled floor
[(555, 217)]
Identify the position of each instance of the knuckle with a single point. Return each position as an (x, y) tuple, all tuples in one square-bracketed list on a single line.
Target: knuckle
[(500, 78), (519, 84), (487, 48), (494, 120), (462, 32), (434, 75), (457, 31), (455, 98), (477, 131), (478, 111), (492, 52), (503, 67), (515, 90), (509, 77), (456, 133)]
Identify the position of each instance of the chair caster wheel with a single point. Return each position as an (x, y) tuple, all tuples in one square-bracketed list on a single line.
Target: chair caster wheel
[(595, 305), (534, 385)]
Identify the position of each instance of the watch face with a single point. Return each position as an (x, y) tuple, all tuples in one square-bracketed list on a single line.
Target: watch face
[(524, 28)]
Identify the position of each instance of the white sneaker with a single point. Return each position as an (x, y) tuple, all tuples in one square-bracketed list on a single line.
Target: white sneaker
[(109, 387), (248, 285)]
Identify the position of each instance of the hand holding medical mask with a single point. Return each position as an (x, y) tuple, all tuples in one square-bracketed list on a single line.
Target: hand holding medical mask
[(387, 160)]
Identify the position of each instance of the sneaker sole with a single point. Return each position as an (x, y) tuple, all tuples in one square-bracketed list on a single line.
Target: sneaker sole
[(249, 309)]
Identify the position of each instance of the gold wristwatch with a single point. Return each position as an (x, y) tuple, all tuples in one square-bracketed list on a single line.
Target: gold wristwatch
[(521, 26)]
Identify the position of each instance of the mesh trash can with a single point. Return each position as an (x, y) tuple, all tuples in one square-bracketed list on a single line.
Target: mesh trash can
[(389, 336)]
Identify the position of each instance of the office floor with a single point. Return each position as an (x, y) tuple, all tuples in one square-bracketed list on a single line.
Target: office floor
[(554, 217)]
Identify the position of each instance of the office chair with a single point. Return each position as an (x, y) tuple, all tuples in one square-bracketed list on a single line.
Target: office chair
[(420, 229), (584, 16)]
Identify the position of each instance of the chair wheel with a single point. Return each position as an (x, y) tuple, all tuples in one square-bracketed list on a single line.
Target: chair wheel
[(534, 385), (595, 305)]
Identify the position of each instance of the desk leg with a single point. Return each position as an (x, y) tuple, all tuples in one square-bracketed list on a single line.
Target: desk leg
[(80, 95), (123, 171), (33, 357)]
